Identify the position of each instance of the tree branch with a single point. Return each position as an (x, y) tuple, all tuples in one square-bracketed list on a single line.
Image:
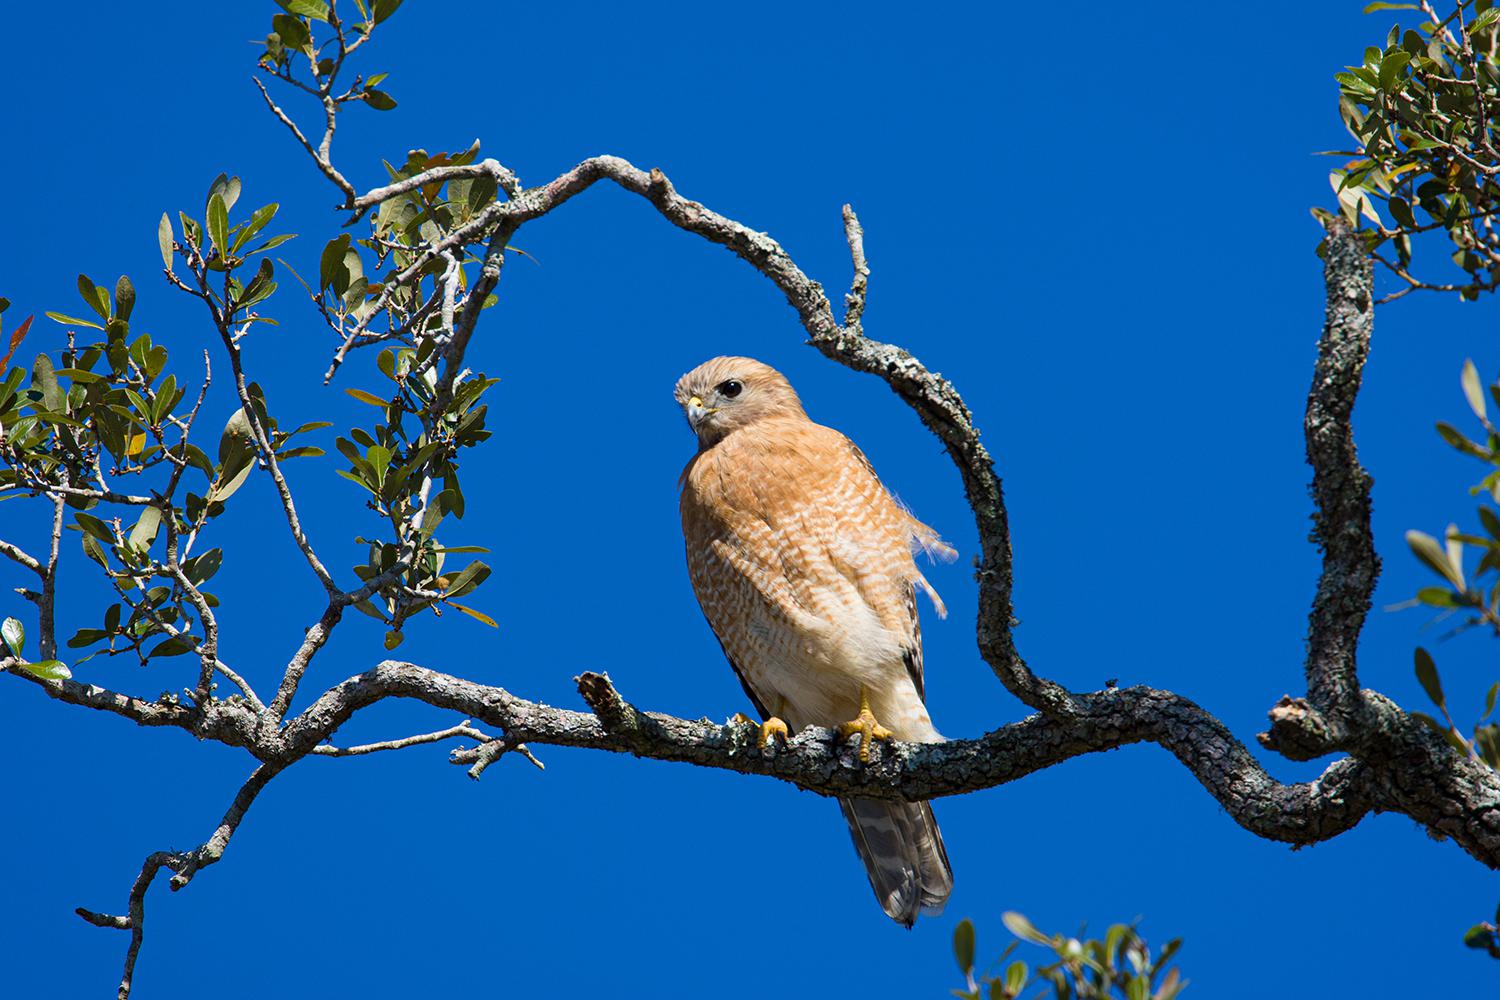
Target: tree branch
[(183, 865), (1340, 487), (462, 730)]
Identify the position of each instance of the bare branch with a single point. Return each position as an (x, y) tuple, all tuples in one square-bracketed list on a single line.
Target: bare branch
[(319, 156), (223, 722), (16, 554), (854, 301), (47, 605), (464, 730), (313, 641), (183, 865)]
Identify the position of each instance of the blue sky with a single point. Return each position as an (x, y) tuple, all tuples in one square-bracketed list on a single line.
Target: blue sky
[(1096, 224)]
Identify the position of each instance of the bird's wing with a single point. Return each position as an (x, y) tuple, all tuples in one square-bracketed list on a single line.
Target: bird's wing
[(755, 699)]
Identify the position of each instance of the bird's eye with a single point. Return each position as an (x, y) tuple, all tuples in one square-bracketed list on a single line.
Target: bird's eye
[(729, 389)]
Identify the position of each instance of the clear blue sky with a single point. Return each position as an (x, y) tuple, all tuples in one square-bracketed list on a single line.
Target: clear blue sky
[(1095, 223)]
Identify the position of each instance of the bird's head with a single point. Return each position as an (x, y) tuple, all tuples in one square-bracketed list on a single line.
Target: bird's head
[(724, 394)]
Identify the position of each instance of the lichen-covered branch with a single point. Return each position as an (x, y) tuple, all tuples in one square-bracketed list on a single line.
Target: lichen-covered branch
[(1340, 487)]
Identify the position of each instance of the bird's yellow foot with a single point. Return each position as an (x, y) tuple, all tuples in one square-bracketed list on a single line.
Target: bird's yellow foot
[(771, 727), (865, 725)]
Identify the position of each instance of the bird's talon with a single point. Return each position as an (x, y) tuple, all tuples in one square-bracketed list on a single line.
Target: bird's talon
[(868, 729), (772, 727)]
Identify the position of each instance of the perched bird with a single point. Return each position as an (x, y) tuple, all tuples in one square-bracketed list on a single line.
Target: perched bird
[(802, 563)]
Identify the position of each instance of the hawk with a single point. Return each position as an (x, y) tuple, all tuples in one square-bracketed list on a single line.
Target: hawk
[(803, 565)]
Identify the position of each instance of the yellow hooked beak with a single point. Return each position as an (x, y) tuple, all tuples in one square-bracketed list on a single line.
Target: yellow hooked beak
[(697, 412)]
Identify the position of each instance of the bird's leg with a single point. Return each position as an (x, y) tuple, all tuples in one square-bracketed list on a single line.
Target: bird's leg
[(771, 727), (865, 725)]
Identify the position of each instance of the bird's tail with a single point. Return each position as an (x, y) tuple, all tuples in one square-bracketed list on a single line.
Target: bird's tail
[(903, 854)]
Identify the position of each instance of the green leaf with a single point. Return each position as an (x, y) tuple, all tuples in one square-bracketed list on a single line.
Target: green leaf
[(368, 397), (1456, 439), (467, 579), (96, 297), (260, 287), (1354, 83), (86, 637), (124, 297), (44, 378), (164, 240), (192, 233), (1401, 211), (331, 269), (67, 320), (236, 456), (1373, 7), (479, 615), (393, 639), (293, 31), (1426, 548), (1015, 977), (1438, 597), (144, 532), (273, 242), (1022, 928), (227, 188), (315, 9), (1473, 391), (313, 425), (963, 945), (218, 224), (380, 460), (173, 646), (258, 221), (226, 485), (14, 634), (384, 9), (1427, 676), (201, 568), (94, 550), (355, 479), (48, 670), (1390, 69), (1484, 20), (379, 99)]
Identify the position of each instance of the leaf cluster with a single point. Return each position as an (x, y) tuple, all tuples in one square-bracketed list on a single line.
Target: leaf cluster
[(1422, 108), (1474, 595), (407, 463), (1120, 966), (81, 424), (293, 36)]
